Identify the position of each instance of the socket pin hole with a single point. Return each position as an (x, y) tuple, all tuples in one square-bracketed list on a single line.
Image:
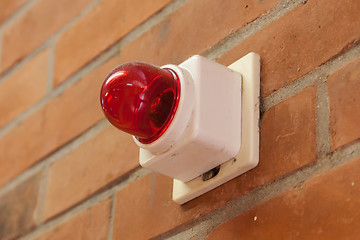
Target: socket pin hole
[(210, 174)]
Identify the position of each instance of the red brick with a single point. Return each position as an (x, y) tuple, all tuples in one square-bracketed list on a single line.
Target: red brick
[(284, 140), (285, 147), (109, 21), (194, 28), (300, 41), (60, 120), (93, 223), (9, 7), (344, 101), (18, 208), (35, 26), (24, 87), (325, 207), (106, 157)]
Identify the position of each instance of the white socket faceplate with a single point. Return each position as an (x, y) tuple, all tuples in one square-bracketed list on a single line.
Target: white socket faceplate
[(248, 156)]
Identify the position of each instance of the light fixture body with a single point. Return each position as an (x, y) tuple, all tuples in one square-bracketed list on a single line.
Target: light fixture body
[(206, 129), (211, 132)]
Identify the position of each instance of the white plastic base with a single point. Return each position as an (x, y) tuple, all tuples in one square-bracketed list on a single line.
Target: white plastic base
[(248, 156)]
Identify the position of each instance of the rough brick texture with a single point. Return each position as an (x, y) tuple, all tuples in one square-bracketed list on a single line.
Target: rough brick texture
[(101, 160), (298, 42), (60, 120), (109, 20), (92, 223), (325, 207), (18, 208), (344, 100), (23, 88), (66, 174), (30, 30), (9, 7), (193, 29)]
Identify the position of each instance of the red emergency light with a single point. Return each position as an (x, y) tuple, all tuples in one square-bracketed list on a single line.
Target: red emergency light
[(197, 122), (141, 99)]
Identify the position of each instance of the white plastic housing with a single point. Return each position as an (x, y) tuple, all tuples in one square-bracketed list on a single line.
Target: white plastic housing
[(248, 156), (206, 129)]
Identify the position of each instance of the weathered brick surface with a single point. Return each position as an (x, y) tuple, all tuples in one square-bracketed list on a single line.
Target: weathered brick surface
[(18, 207), (24, 87), (194, 28), (285, 147), (284, 140), (35, 26), (101, 160), (290, 46), (60, 120), (109, 21), (325, 207), (344, 101), (9, 7), (298, 42), (92, 223)]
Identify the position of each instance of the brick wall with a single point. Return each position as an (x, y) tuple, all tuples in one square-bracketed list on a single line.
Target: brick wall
[(65, 173)]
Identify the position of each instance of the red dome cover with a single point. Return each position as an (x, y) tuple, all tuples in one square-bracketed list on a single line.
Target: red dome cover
[(140, 99)]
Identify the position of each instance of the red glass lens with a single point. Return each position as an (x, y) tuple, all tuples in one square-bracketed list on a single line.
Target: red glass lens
[(140, 99)]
